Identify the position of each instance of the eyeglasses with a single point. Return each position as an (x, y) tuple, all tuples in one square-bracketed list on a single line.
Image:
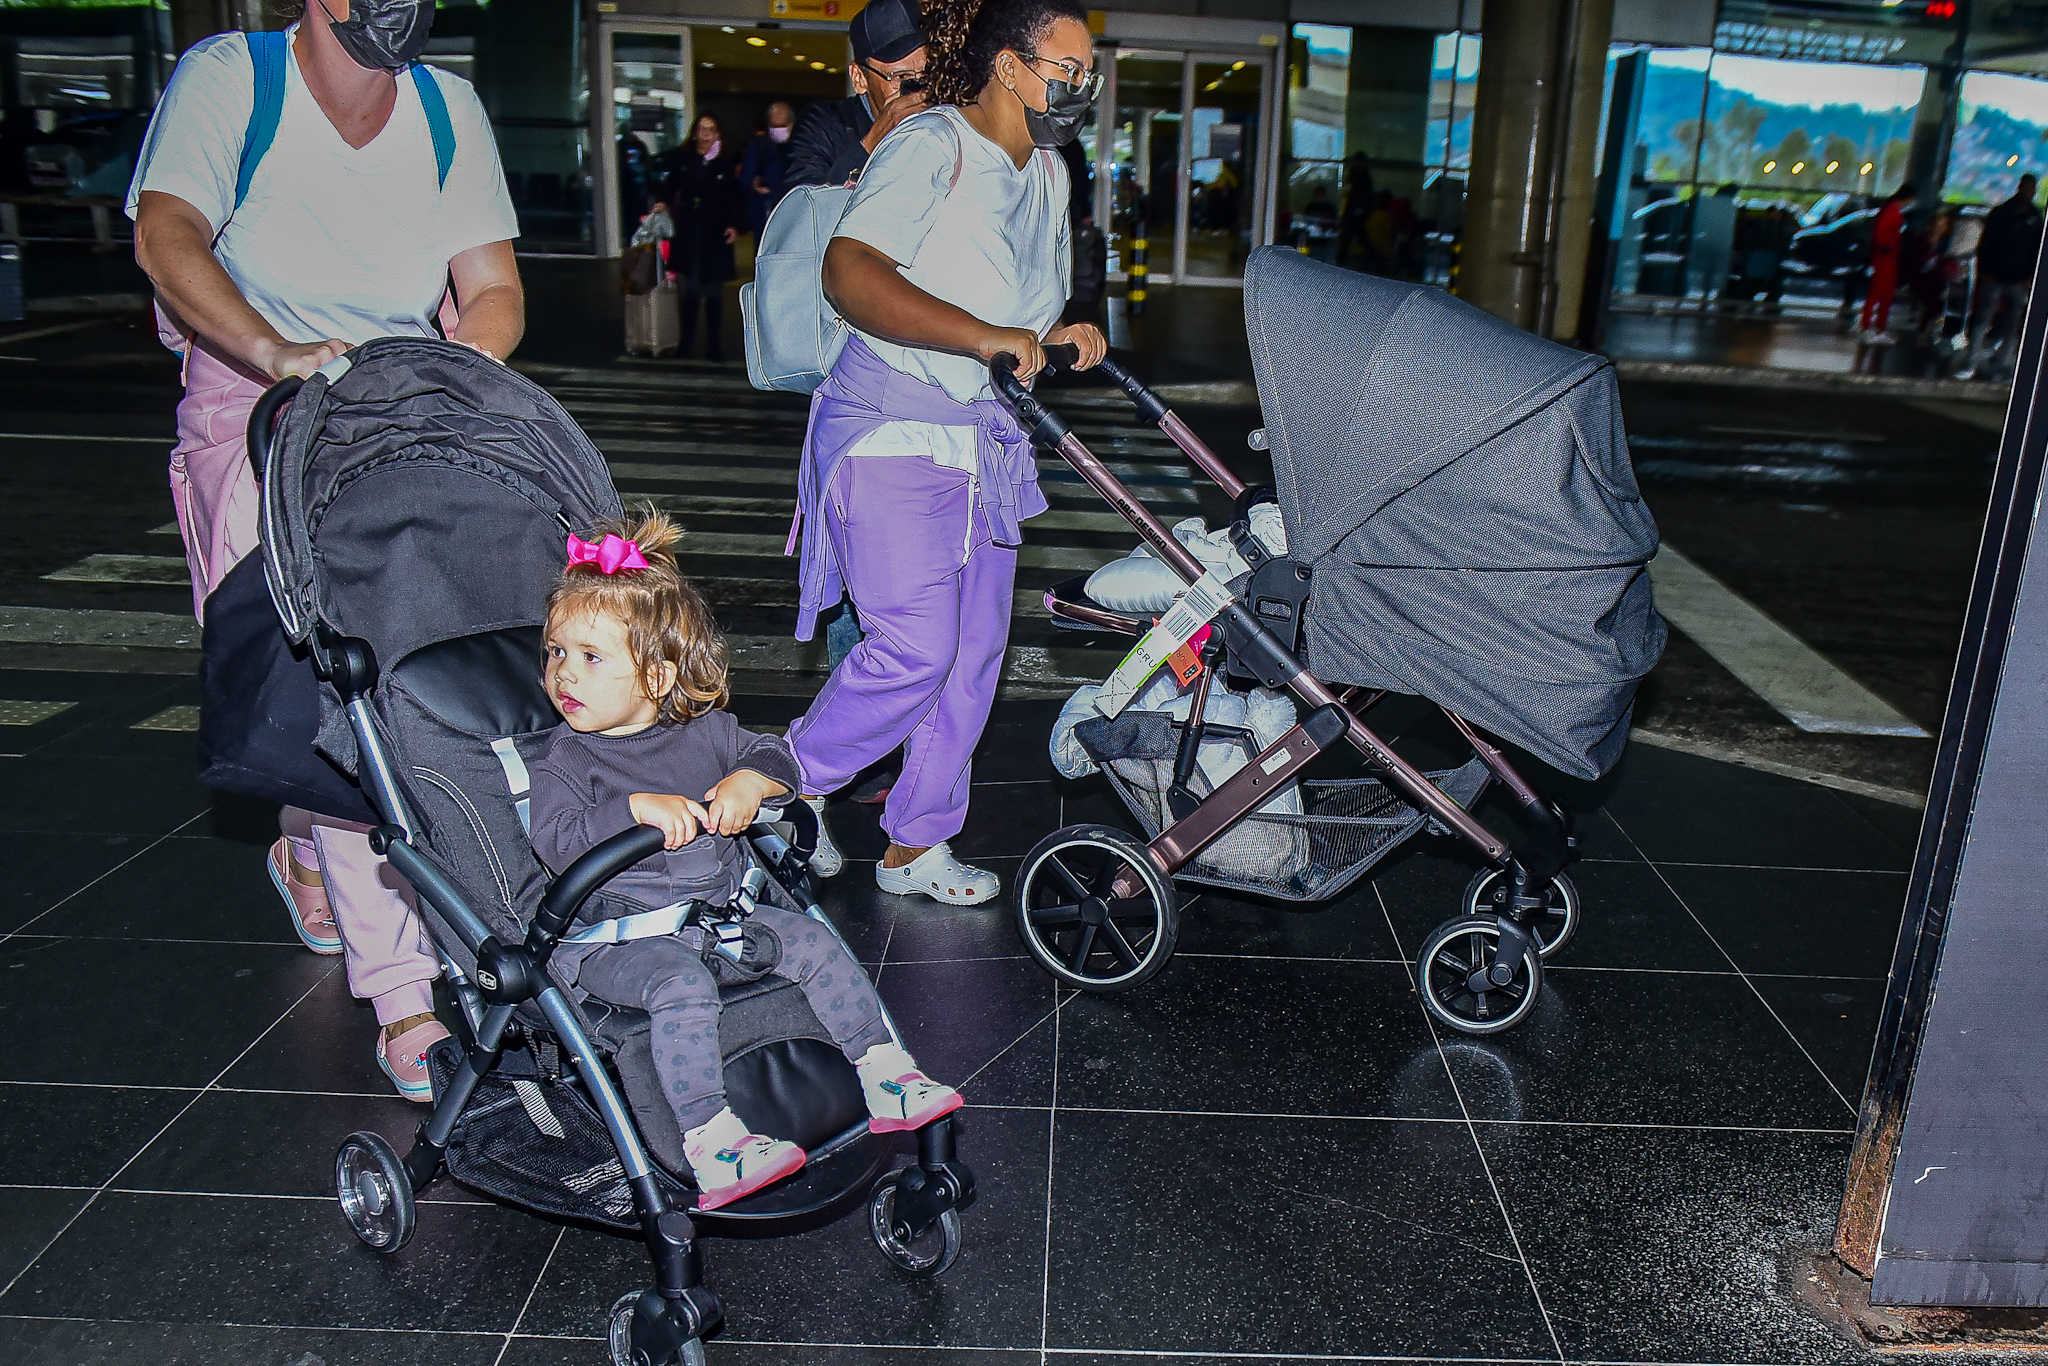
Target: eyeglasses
[(892, 78), (1072, 72)]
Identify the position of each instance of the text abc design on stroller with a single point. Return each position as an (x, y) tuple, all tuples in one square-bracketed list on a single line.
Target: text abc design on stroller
[(1462, 524), (416, 499)]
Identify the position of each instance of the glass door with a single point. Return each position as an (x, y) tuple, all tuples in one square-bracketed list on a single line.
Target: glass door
[(1185, 162), (1225, 128), (642, 111), (1139, 164)]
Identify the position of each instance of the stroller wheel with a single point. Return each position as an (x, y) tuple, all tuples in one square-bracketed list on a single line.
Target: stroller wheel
[(619, 1339), (1093, 910), (375, 1192), (1487, 894), (1455, 971), (926, 1256)]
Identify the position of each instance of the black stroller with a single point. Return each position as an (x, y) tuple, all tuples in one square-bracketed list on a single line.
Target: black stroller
[(415, 502), (1462, 524)]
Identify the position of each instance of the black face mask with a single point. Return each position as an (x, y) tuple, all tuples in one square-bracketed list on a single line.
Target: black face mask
[(1066, 109), (383, 35)]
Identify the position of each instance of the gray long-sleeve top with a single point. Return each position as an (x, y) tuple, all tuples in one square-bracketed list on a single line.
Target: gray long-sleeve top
[(584, 783)]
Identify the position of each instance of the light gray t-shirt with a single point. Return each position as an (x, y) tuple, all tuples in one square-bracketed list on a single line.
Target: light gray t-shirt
[(333, 240), (970, 227)]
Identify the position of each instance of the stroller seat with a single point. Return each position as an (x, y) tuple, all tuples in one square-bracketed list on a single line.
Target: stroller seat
[(783, 1072)]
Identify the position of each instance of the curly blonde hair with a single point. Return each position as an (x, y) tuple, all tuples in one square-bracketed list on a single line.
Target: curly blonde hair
[(966, 35), (666, 619)]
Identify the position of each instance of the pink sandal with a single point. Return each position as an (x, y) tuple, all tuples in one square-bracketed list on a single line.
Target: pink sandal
[(402, 1052), (312, 916)]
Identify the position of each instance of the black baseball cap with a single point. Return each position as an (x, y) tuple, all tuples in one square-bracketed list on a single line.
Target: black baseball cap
[(886, 31)]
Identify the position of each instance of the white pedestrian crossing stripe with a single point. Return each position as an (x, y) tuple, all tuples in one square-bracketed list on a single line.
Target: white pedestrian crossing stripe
[(158, 569)]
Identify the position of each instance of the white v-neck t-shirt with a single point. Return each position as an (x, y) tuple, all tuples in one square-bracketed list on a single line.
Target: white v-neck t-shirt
[(332, 240), (996, 242)]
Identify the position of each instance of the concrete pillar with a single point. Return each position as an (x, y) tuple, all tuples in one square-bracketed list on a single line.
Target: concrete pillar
[(1572, 238), (1530, 164)]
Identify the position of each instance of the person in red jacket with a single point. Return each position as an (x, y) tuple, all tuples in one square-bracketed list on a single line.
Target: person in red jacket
[(1887, 235)]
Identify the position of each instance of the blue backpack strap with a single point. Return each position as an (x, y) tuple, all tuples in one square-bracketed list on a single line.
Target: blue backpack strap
[(267, 56), (439, 128)]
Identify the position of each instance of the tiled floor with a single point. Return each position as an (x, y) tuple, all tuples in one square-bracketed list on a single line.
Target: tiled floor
[(1266, 1153)]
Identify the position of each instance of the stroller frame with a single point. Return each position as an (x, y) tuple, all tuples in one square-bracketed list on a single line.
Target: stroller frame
[(1478, 973), (664, 1324)]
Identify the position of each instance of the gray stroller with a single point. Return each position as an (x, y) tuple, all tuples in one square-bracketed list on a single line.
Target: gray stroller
[(416, 497), (1462, 524)]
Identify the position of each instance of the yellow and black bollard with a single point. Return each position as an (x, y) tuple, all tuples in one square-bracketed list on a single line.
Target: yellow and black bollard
[(1134, 288)]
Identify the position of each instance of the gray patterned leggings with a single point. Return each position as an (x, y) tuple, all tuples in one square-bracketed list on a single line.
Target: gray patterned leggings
[(666, 978)]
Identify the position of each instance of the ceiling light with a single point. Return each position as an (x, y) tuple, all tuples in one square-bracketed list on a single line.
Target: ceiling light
[(817, 66), (1832, 165), (1797, 167), (2013, 160), (705, 65), (1770, 166), (725, 28), (800, 57), (756, 42), (1237, 66), (1866, 168)]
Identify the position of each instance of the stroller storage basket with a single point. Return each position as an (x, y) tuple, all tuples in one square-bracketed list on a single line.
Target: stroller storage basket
[(1308, 844)]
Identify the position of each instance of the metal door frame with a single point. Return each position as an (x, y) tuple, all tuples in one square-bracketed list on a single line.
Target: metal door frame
[(1266, 152), (604, 206)]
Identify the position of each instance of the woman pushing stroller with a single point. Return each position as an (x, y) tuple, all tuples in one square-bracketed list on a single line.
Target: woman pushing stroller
[(638, 672), (955, 247)]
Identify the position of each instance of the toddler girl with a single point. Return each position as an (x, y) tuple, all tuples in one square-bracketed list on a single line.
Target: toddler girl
[(638, 672)]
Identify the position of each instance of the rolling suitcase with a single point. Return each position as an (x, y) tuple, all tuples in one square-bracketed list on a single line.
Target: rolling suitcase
[(653, 322)]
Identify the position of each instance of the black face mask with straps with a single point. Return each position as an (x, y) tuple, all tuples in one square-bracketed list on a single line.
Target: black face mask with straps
[(1066, 109), (383, 35)]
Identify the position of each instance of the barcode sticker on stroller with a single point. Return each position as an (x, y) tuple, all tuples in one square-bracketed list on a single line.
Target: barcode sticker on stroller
[(1205, 597)]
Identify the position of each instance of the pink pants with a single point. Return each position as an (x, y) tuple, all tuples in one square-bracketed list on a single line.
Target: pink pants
[(389, 960)]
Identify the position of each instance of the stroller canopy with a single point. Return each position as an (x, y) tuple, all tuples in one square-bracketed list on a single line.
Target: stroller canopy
[(404, 491), (1463, 491)]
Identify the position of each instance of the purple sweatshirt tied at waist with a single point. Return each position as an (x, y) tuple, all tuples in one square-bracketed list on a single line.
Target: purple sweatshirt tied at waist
[(861, 394)]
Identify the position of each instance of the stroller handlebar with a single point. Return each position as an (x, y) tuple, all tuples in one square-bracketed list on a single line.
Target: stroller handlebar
[(597, 866), (263, 421)]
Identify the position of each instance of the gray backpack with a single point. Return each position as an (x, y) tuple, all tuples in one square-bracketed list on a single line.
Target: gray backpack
[(794, 335)]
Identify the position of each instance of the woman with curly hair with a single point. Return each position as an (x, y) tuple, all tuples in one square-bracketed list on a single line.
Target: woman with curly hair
[(954, 248)]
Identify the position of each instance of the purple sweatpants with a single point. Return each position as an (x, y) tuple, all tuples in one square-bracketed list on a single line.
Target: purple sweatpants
[(215, 492), (933, 590)]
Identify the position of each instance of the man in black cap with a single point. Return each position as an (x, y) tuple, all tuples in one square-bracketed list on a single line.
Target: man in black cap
[(833, 141)]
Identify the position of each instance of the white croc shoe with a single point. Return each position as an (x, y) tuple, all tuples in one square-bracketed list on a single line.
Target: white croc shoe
[(937, 874), (826, 860)]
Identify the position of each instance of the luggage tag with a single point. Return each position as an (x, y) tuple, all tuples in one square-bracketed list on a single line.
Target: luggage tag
[(1186, 662), (1205, 597)]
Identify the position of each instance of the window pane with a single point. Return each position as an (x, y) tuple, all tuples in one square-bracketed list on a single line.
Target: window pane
[(1315, 108), (1827, 127), (1670, 129), (1999, 137)]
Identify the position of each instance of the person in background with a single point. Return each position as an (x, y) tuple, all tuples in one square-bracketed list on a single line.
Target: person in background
[(1358, 204), (2006, 254), (346, 233), (1887, 238), (702, 194), (832, 144), (1927, 271), (766, 168), (834, 140), (1091, 271)]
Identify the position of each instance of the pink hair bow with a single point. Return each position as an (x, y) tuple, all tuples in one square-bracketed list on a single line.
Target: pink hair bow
[(610, 555)]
